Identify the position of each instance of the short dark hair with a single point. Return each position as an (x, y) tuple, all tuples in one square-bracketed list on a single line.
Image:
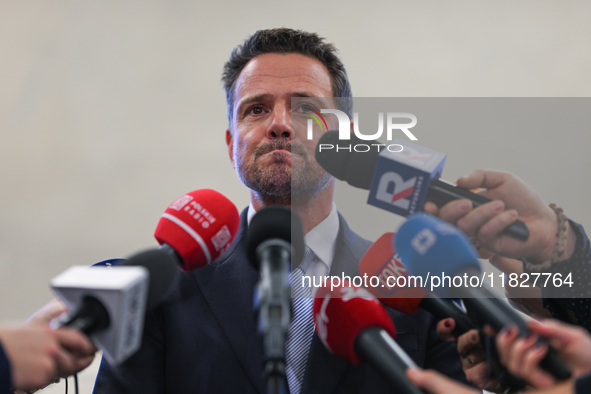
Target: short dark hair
[(285, 41)]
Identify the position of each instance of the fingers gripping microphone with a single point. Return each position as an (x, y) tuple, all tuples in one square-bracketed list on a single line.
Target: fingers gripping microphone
[(432, 248), (399, 291), (399, 181), (355, 327), (197, 228), (109, 303), (274, 240)]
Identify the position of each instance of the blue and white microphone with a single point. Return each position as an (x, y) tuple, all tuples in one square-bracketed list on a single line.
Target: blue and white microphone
[(432, 248)]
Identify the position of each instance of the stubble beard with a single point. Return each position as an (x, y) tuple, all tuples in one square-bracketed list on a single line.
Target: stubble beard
[(279, 182)]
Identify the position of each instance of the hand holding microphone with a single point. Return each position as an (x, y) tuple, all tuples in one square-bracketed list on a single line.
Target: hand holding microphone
[(522, 356), (38, 355), (433, 248), (513, 198), (108, 304), (401, 181)]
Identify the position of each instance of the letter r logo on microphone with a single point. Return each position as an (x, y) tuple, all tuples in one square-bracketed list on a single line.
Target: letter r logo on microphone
[(400, 189), (401, 179)]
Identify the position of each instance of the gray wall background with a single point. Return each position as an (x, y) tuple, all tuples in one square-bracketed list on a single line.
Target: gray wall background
[(111, 110)]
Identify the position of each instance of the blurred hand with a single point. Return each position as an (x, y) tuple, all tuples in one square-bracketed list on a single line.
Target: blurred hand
[(445, 329), (435, 383), (522, 356), (48, 312), (39, 355), (512, 199), (527, 298), (472, 354)]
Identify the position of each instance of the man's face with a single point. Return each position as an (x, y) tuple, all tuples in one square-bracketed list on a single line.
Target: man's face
[(262, 145)]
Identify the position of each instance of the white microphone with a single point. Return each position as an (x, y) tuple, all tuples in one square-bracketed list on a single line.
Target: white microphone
[(109, 303)]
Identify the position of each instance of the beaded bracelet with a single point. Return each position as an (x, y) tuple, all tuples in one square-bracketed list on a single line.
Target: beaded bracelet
[(558, 250)]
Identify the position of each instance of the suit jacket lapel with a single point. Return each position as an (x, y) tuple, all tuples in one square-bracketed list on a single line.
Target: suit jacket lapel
[(228, 286), (324, 370)]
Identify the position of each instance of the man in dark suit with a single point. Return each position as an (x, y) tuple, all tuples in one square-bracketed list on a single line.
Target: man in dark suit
[(203, 338)]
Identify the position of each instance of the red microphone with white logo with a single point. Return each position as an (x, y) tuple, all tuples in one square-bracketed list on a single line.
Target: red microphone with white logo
[(355, 327), (197, 228), (399, 291)]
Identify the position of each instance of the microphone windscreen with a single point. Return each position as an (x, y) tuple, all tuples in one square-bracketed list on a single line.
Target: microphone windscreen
[(275, 222), (342, 314), (333, 162), (394, 288), (162, 272), (199, 226), (431, 247), (347, 162)]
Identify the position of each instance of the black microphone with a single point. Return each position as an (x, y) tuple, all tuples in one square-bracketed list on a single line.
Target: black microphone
[(399, 181), (274, 240), (431, 248)]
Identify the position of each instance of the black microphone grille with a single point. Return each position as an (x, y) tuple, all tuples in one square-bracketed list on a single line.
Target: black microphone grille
[(163, 273), (352, 160), (334, 163), (277, 222)]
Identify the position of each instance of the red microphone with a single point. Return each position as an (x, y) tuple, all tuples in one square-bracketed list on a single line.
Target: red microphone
[(393, 289), (399, 291), (355, 327), (197, 228)]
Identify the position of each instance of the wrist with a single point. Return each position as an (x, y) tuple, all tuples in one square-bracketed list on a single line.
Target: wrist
[(558, 246), (570, 242)]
